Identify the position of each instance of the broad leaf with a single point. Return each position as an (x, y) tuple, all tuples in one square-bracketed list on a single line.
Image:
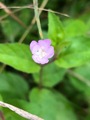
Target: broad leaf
[(74, 28), (55, 29), (50, 105), (12, 85), (18, 56), (76, 54), (52, 75)]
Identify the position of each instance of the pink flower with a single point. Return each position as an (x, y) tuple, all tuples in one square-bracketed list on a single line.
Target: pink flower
[(42, 51)]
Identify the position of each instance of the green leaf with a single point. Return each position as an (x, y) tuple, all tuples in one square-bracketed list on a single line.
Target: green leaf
[(10, 29), (55, 29), (82, 85), (50, 105), (12, 85), (88, 27), (74, 28), (52, 75), (18, 56), (76, 54)]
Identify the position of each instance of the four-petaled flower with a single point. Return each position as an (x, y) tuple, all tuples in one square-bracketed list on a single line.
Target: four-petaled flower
[(42, 51)]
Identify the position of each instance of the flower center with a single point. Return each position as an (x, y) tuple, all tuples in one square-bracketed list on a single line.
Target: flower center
[(41, 53)]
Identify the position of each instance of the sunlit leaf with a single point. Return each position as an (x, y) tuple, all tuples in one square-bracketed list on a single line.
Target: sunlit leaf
[(55, 29), (18, 56), (74, 28)]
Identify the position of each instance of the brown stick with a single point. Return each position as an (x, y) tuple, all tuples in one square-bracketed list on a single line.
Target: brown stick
[(32, 22), (28, 6), (9, 12)]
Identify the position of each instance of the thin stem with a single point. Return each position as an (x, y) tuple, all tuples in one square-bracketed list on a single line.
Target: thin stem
[(40, 77), (35, 2), (79, 77), (12, 15), (40, 9), (2, 116), (32, 23)]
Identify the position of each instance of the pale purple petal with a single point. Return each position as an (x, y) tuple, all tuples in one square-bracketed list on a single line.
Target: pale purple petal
[(39, 60), (47, 41), (50, 52), (32, 44), (35, 49), (44, 43), (35, 58), (44, 60), (42, 51)]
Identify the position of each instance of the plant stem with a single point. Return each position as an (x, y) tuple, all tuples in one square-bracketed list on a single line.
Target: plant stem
[(40, 77), (79, 77), (35, 2)]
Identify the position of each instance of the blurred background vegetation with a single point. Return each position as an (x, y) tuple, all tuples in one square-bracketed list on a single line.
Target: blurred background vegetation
[(70, 96)]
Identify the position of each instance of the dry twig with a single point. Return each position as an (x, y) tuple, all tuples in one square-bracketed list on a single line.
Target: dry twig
[(20, 112), (32, 23), (9, 12)]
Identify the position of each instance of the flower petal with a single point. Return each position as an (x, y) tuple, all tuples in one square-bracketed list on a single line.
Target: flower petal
[(32, 44), (44, 43), (50, 52), (35, 58), (44, 60), (35, 49)]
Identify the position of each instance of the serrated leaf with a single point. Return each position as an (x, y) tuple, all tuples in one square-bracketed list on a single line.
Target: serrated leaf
[(18, 56), (50, 105), (76, 54), (52, 75), (55, 29)]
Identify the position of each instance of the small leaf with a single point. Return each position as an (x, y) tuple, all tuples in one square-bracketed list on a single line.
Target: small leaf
[(55, 29), (52, 75), (76, 54), (18, 56)]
